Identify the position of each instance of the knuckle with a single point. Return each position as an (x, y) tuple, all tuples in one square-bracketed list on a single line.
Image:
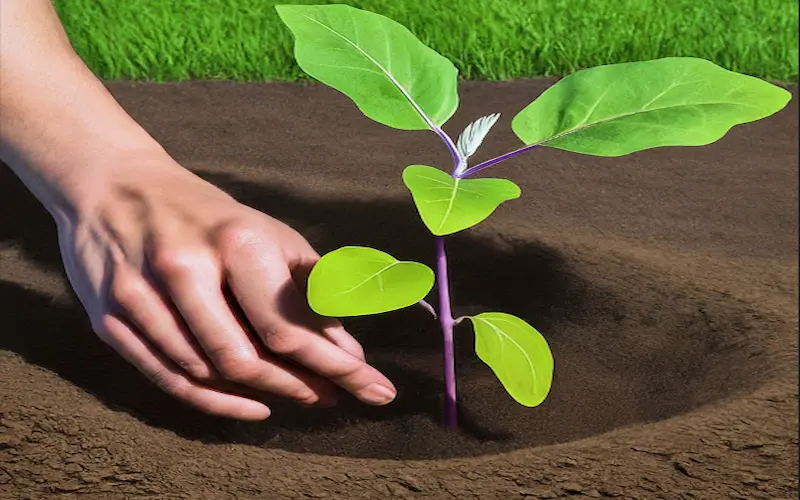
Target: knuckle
[(284, 344), (125, 290), (239, 369), (102, 325), (238, 237), (179, 261), (197, 370), (347, 367), (169, 382)]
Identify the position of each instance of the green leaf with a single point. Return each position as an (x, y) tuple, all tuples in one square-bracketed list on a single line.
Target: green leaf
[(517, 354), (356, 281), (618, 109), (448, 205), (392, 77)]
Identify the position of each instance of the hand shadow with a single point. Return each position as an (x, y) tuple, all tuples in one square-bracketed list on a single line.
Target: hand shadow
[(518, 277)]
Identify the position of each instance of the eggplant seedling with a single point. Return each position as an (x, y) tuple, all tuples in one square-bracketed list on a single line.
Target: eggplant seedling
[(609, 110)]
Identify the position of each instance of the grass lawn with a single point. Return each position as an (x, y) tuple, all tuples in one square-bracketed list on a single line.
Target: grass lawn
[(486, 39)]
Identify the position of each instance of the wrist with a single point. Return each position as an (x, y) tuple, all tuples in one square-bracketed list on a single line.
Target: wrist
[(73, 188), (120, 174)]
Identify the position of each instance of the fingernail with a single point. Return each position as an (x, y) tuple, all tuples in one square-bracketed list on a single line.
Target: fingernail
[(378, 394)]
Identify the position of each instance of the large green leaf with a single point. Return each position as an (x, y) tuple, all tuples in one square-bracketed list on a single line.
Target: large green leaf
[(617, 109), (392, 77), (448, 205), (517, 353), (356, 281)]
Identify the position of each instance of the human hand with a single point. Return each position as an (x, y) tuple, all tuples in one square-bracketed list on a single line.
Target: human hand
[(202, 294), (206, 296)]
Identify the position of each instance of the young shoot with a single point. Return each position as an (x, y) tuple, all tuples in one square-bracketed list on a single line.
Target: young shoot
[(398, 81)]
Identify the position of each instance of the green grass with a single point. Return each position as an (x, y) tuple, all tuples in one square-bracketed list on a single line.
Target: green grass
[(487, 39)]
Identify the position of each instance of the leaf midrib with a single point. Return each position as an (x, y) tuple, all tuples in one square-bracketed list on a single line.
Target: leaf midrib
[(503, 334), (452, 184), (368, 278), (449, 205), (388, 75), (625, 115)]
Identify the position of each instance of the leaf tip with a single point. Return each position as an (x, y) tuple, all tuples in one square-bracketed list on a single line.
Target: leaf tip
[(282, 9)]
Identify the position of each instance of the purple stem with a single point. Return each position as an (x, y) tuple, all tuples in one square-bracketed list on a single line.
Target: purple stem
[(450, 146), (495, 161), (447, 322), (445, 313)]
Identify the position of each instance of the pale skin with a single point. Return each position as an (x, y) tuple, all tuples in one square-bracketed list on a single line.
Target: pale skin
[(161, 260)]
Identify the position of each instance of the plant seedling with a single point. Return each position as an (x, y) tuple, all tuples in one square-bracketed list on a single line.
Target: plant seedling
[(398, 81)]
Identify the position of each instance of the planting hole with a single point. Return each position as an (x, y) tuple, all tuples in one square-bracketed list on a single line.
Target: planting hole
[(629, 348)]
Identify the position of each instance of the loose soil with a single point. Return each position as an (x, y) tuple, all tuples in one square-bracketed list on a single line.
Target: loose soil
[(665, 282)]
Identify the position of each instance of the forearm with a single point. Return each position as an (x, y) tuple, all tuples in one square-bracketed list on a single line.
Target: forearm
[(59, 127)]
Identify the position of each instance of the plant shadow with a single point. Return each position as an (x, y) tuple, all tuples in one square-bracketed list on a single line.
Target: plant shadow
[(519, 277)]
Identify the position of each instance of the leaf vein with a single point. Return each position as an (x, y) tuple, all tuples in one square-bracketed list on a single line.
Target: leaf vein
[(391, 77), (501, 333), (450, 205), (373, 275), (625, 115)]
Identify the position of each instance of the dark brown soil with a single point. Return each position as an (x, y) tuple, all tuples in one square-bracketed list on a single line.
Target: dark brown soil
[(665, 282)]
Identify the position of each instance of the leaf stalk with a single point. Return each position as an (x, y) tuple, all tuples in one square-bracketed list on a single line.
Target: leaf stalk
[(451, 146), (494, 161), (426, 305)]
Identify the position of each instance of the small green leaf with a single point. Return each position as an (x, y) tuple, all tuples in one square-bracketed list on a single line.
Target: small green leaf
[(392, 77), (517, 354), (618, 109), (448, 205), (357, 281)]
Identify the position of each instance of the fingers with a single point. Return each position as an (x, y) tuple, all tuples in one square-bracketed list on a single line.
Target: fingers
[(159, 322), (194, 285), (125, 341), (335, 332), (263, 286)]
